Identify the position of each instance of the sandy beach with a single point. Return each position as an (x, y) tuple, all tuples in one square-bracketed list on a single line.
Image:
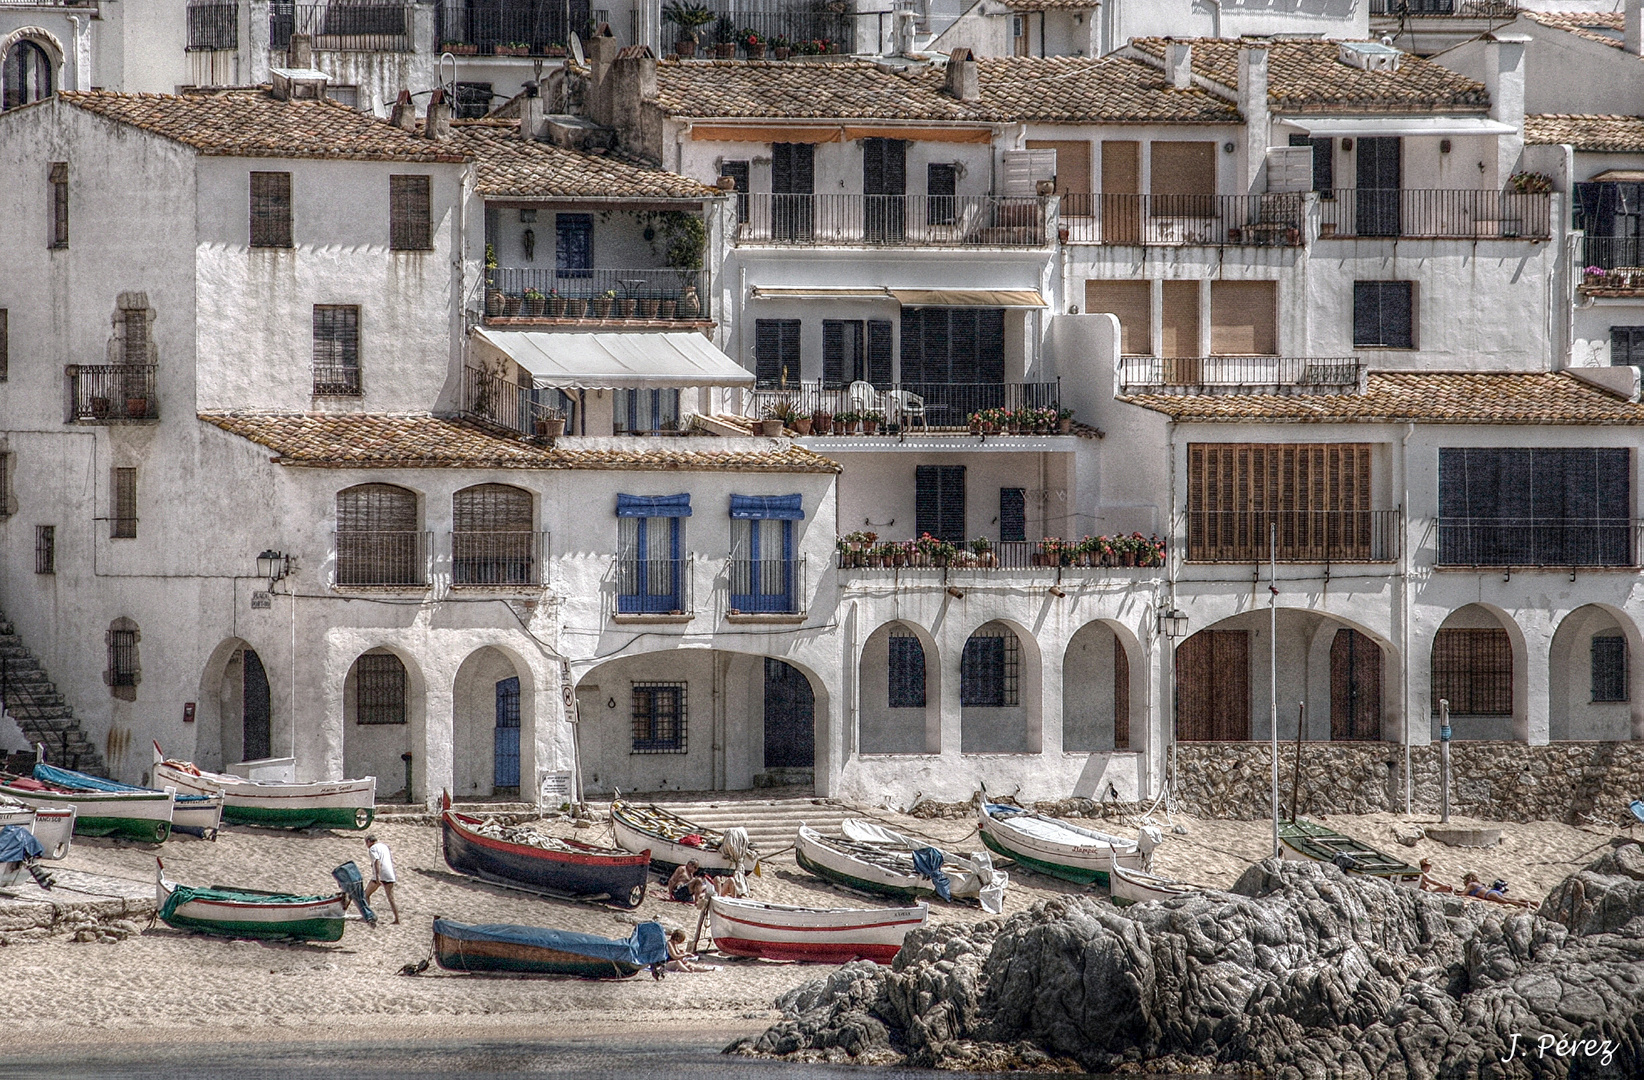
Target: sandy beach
[(162, 984)]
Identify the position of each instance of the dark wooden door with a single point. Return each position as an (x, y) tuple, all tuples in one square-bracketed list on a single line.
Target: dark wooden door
[(254, 709), (793, 176), (1355, 687), (1378, 173), (1213, 687), (884, 189), (790, 717)]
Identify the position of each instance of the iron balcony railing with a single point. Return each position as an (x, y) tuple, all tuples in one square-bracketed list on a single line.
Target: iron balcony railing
[(757, 33), (497, 557), (916, 405), (1538, 542), (381, 557), (767, 586), (505, 403), (110, 392), (1466, 9), (336, 380), (1614, 253), (342, 25), (1316, 536), (1268, 220), (509, 27), (1091, 553), (606, 293), (1209, 374), (1434, 214), (894, 220), (653, 586), (213, 24)]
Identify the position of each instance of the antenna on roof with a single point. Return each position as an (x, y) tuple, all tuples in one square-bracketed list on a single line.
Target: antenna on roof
[(576, 51)]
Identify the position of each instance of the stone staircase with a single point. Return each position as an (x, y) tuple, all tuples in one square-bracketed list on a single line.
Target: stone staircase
[(32, 700)]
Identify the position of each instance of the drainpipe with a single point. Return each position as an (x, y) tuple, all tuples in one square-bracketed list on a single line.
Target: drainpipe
[(1404, 600)]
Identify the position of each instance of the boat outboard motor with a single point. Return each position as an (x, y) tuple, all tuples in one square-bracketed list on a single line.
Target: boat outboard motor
[(1151, 836)]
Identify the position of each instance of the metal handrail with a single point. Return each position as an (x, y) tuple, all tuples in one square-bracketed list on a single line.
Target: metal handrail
[(380, 557), (1416, 213), (1557, 542), (1197, 374), (1312, 536), (102, 393), (810, 220), (766, 586), (1267, 220), (653, 586)]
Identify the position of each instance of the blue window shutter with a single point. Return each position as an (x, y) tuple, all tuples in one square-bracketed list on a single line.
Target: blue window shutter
[(643, 506), (778, 507)]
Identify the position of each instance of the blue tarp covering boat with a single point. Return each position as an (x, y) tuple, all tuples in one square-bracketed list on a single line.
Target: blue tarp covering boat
[(197, 814), (542, 951)]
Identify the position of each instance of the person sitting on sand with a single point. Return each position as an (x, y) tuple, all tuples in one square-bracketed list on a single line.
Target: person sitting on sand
[(1429, 882), (1472, 886), (679, 882), (703, 889), (382, 872), (679, 959)]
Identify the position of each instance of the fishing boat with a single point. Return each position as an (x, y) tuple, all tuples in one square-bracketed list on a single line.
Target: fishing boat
[(535, 950), (876, 860), (326, 804), (53, 826), (674, 841), (1306, 841), (823, 935), (248, 913), (1128, 886), (559, 868), (1054, 847), (134, 815), (199, 815), (18, 848)]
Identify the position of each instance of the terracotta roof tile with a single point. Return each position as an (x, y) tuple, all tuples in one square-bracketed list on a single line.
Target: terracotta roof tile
[(1309, 75), (422, 441), (752, 89), (253, 123), (1053, 5), (1594, 131), (510, 166), (1603, 27), (1071, 89), (1396, 397)]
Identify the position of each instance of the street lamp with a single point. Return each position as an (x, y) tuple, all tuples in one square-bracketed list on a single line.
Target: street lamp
[(273, 566), (1173, 625)]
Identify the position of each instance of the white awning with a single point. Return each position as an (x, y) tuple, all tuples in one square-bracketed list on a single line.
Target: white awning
[(969, 297), (617, 360), (1370, 127)]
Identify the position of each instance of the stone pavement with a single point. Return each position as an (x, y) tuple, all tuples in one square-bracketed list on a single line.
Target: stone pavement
[(79, 901)]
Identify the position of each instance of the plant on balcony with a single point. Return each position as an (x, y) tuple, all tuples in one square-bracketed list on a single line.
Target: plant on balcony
[(871, 419), (690, 18), (844, 423), (752, 42), (490, 256), (981, 550), (853, 547), (935, 552), (458, 48), (514, 48), (781, 47), (535, 302), (783, 409), (556, 304), (603, 304), (1064, 421), (821, 421), (1530, 183)]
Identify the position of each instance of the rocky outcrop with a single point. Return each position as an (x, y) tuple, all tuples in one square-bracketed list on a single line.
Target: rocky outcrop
[(1298, 972)]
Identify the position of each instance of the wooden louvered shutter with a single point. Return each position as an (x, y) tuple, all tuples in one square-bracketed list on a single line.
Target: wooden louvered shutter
[(927, 500), (767, 351), (1132, 303), (1121, 696), (990, 345), (833, 353), (1193, 688), (879, 353), (1355, 687), (790, 352), (913, 345), (953, 504), (1213, 686), (937, 341), (1012, 515), (964, 346)]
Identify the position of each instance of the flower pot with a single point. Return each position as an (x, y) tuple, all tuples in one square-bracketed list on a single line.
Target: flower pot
[(648, 308), (756, 51), (493, 303), (770, 428), (802, 425), (725, 50), (1062, 233), (99, 407), (1064, 425), (556, 307), (602, 307), (1127, 558), (839, 427), (511, 305), (532, 308), (821, 422), (552, 427), (781, 53), (462, 50), (870, 427), (668, 309), (575, 309), (689, 305), (686, 48), (975, 426), (626, 309), (136, 407)]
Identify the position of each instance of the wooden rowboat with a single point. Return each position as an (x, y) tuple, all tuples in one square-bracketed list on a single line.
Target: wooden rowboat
[(248, 913), (1306, 841), (823, 935), (326, 804), (1054, 847), (568, 868), (140, 815), (663, 834), (888, 867), (53, 826), (537, 950), (200, 815), (1128, 886)]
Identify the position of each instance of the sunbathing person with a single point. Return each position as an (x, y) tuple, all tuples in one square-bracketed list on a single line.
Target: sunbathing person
[(1496, 893)]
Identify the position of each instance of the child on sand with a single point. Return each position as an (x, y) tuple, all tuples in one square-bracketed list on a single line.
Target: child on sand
[(679, 959)]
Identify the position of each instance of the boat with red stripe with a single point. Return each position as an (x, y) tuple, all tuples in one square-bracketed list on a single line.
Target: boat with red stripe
[(820, 935), (565, 868)]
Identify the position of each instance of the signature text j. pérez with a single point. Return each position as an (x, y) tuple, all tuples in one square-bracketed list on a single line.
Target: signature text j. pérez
[(1564, 1047)]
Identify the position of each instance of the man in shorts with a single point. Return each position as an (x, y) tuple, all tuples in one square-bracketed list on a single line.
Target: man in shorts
[(382, 872)]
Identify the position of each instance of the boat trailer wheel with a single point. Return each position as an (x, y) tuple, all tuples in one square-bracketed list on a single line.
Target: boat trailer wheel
[(362, 817)]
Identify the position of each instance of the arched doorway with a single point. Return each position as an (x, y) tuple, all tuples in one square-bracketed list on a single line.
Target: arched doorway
[(790, 719), (380, 709), (1096, 694), (25, 75), (1591, 676), (256, 727), (488, 698), (1474, 666), (899, 709)]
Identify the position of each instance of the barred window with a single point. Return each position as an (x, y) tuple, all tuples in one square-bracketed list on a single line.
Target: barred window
[(906, 670), (124, 667), (337, 350), (659, 718), (409, 227), (988, 668), (379, 689), (271, 209), (491, 536), (378, 540), (1610, 668), (1473, 670), (124, 524), (59, 204), (213, 24), (45, 549)]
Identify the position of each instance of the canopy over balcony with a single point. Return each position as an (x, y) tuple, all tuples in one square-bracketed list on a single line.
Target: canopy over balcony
[(615, 360)]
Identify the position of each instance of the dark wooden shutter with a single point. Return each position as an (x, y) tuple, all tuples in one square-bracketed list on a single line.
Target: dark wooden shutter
[(1012, 515), (792, 168), (907, 671), (124, 525), (790, 352), (938, 364), (941, 187), (776, 352), (953, 504), (927, 500), (409, 210), (1473, 670), (964, 346), (1318, 495), (738, 172), (913, 345), (1609, 668), (1121, 695), (1355, 687), (1213, 686), (990, 345), (833, 353), (270, 209), (879, 353)]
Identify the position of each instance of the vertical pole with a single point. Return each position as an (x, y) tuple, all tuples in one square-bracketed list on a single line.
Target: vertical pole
[(1273, 667), (1444, 760)]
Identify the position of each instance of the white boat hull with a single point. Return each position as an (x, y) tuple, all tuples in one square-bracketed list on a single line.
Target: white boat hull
[(346, 804), (1138, 886), (206, 817), (53, 826), (142, 816), (825, 935), (837, 864), (1057, 848), (666, 851)]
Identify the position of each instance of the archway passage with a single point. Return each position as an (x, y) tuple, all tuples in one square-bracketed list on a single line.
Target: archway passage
[(25, 75), (377, 709), (1095, 691), (256, 729), (900, 709), (1590, 679), (1355, 687), (1213, 686), (790, 717)]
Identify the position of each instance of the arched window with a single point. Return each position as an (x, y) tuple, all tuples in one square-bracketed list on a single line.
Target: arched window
[(25, 76), (491, 536), (988, 668), (379, 689), (378, 542), (905, 677)]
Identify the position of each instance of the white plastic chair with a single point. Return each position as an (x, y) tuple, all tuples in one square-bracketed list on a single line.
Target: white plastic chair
[(908, 405), (863, 397)]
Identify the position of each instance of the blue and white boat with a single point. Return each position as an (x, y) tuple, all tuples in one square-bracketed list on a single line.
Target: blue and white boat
[(198, 815)]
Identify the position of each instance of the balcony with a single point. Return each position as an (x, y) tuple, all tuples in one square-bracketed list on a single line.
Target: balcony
[(1548, 542), (653, 587), (1464, 9), (1308, 536), (865, 551), (504, 403), (508, 27), (376, 557), (336, 380), (766, 586), (667, 299), (497, 558), (352, 27), (1414, 213), (941, 221), (1272, 220), (932, 407), (1239, 374), (112, 394), (810, 31)]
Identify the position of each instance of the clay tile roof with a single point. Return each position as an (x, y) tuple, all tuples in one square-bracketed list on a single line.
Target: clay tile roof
[(1431, 397), (422, 441), (507, 165), (1053, 5), (844, 90), (1073, 89), (253, 123), (1595, 131), (1604, 27), (1309, 75)]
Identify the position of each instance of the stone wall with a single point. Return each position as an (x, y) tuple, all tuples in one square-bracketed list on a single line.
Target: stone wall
[(1573, 782)]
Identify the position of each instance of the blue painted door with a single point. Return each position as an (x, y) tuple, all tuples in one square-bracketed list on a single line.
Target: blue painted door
[(505, 767)]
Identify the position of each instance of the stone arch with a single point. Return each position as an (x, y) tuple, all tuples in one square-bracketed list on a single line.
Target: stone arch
[(235, 707), (493, 725), (1580, 706), (374, 745), (1014, 727), (888, 722), (1353, 694), (1104, 689), (1486, 677), (31, 66)]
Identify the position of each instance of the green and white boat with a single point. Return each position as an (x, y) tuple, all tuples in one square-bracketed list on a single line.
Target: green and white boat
[(1053, 847), (139, 815), (326, 804), (1308, 841), (248, 913)]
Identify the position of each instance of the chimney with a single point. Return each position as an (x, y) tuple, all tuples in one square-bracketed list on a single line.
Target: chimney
[(1179, 64), (619, 99), (1633, 28), (404, 114), (601, 53), (437, 125), (1252, 101), (1504, 80), (531, 113), (962, 80), (300, 53)]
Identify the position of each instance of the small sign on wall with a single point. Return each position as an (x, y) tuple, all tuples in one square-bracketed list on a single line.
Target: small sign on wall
[(188, 712), (556, 787), (261, 601)]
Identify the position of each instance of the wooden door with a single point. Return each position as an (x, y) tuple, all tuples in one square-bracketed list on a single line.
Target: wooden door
[(254, 709), (1213, 687), (1121, 191), (1179, 332), (1355, 687), (1378, 171), (790, 717)]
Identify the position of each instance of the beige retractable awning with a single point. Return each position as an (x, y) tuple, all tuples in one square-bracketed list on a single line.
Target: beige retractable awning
[(616, 360), (818, 292), (969, 297)]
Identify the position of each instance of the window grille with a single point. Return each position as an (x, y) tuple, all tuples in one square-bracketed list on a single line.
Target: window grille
[(659, 718), (378, 542), (122, 657), (379, 689), (1473, 670), (45, 549), (271, 209), (337, 350), (988, 668), (59, 204), (491, 536), (1610, 668), (1626, 346), (409, 224), (213, 25), (906, 669), (124, 526)]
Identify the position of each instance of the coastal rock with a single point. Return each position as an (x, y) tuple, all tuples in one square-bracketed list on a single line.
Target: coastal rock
[(1299, 971)]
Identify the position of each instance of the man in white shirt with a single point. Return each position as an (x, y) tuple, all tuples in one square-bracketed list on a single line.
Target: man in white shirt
[(382, 872)]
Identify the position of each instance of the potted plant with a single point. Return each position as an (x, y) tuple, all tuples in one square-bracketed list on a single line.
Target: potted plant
[(724, 39), (556, 304), (1530, 183), (648, 307), (771, 426), (511, 306), (982, 549), (781, 47), (871, 421), (603, 304), (1593, 276), (1064, 421), (844, 423), (801, 424), (667, 309), (100, 407), (627, 308), (136, 408), (550, 427), (575, 307), (494, 301), (534, 302), (690, 18), (458, 48), (822, 422), (752, 44)]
